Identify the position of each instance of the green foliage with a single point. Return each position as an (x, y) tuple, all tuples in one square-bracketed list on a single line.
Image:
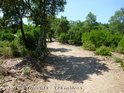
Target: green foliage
[(5, 48), (120, 50), (7, 37), (26, 70), (31, 44), (98, 38), (30, 39), (63, 38), (4, 44), (113, 39), (105, 51), (102, 38), (61, 29), (121, 43), (14, 50), (89, 45), (122, 65), (120, 47), (24, 52), (75, 35), (117, 21)]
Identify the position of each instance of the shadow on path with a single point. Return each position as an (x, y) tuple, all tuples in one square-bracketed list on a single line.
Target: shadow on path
[(75, 69), (59, 50)]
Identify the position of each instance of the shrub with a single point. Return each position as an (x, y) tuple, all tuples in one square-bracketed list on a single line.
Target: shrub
[(14, 50), (30, 41), (74, 36), (113, 39), (7, 36), (23, 51), (5, 48), (4, 43), (105, 51), (26, 70), (97, 37), (120, 47), (120, 50), (102, 38), (63, 38), (89, 45), (5, 51)]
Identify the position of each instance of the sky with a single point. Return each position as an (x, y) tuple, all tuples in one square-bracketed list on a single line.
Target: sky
[(78, 9), (103, 9)]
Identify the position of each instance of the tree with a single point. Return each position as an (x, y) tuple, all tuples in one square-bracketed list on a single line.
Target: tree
[(117, 21), (75, 32), (14, 12), (90, 21), (40, 11), (64, 25), (60, 26)]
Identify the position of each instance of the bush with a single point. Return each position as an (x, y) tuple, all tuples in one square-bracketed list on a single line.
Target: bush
[(89, 45), (96, 37), (26, 70), (120, 47), (6, 51), (7, 37), (102, 38), (5, 48), (22, 51), (63, 38), (74, 36), (14, 50), (113, 39), (4, 43), (105, 51), (31, 42)]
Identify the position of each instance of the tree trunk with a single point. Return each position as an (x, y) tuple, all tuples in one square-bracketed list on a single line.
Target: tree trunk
[(42, 46), (22, 31)]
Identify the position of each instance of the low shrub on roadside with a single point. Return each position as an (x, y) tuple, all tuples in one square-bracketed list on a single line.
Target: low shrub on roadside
[(26, 70), (89, 46), (105, 51), (120, 47)]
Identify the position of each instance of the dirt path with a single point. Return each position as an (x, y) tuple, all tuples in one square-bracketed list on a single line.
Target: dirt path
[(77, 67), (74, 70)]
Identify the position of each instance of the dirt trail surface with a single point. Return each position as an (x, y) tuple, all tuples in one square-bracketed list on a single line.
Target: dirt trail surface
[(74, 70)]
